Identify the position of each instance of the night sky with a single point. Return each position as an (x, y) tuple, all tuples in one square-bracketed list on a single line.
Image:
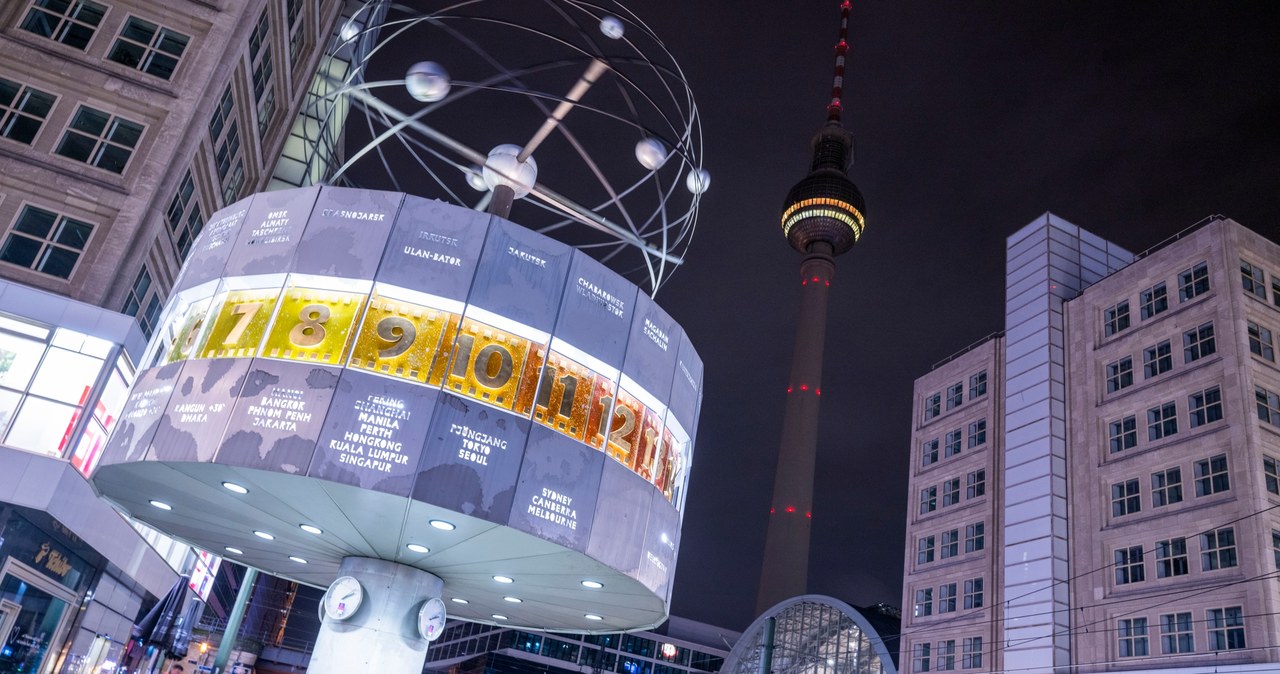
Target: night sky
[(1134, 120)]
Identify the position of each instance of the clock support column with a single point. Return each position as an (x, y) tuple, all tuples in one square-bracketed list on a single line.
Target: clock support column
[(381, 636)]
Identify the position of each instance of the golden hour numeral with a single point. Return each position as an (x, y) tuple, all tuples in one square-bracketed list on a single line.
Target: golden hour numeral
[(310, 328), (244, 313), (399, 332)]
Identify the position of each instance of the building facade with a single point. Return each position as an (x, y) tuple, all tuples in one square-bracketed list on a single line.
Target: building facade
[(1133, 476)]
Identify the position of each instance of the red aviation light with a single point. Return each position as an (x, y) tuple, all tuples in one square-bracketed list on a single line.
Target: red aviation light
[(791, 509), (804, 387)]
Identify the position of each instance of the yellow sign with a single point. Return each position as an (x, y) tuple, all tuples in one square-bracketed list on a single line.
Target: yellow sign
[(403, 340), (489, 364), (239, 322), (314, 325)]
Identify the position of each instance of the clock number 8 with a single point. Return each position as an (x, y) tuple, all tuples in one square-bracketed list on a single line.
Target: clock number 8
[(310, 328), (400, 332)]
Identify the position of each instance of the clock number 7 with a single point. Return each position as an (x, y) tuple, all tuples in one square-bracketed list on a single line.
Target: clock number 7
[(246, 312)]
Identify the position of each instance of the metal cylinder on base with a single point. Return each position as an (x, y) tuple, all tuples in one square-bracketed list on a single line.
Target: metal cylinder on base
[(381, 634)]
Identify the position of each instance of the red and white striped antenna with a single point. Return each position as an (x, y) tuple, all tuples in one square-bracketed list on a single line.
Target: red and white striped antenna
[(835, 107)]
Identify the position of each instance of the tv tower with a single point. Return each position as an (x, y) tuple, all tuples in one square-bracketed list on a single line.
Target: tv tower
[(821, 218)]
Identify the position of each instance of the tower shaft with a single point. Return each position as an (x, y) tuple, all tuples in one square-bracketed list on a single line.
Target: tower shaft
[(785, 571)]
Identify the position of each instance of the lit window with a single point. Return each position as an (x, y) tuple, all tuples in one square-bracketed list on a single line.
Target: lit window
[(1226, 628), (1154, 300), (1157, 359), (1119, 374), (1175, 634), (978, 385), (929, 452), (950, 544), (1218, 549), (1198, 343), (952, 443), (46, 242), (1166, 487), (977, 433), (951, 492), (1193, 282), (946, 656), (932, 406), (1268, 405), (1205, 407), (22, 110), (71, 22), (924, 602), (971, 658), (1171, 558), (1253, 280), (928, 500), (973, 593), (1123, 434), (100, 139), (976, 483), (924, 550), (1132, 633), (975, 537), (1211, 476), (144, 46), (1126, 499), (1260, 341), (946, 602), (184, 216), (1272, 474), (1128, 566), (1162, 421), (920, 657), (955, 395), (1115, 318)]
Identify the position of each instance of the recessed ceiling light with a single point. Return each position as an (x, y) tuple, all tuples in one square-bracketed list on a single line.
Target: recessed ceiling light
[(264, 535), (298, 559), (460, 600), (592, 584), (420, 549), (231, 486), (499, 616), (234, 551), (311, 529), (443, 525), (513, 600), (504, 579), (592, 616), (161, 505)]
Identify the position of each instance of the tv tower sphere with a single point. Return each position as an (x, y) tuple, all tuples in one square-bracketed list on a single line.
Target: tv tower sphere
[(825, 206)]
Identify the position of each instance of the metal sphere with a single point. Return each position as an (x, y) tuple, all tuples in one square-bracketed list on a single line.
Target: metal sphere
[(427, 81), (698, 181), (612, 27), (503, 167), (349, 31), (651, 153), (475, 179)]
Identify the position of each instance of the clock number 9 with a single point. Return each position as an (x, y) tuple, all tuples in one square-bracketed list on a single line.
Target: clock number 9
[(400, 332), (310, 329)]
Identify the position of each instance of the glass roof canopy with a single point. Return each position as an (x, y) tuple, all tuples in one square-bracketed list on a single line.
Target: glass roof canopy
[(813, 634)]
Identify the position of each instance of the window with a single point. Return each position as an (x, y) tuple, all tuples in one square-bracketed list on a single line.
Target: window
[(932, 406), (1271, 474), (977, 433), (978, 385), (100, 139), (1218, 549), (1125, 498), (971, 656), (924, 602), (946, 657), (1171, 558), (1226, 628), (1162, 421), (1166, 487), (1123, 434), (184, 216), (1157, 359), (1193, 282), (71, 22), (1268, 405), (976, 483), (1132, 633), (920, 658), (140, 295), (264, 94), (924, 550), (1253, 280), (1198, 343), (1119, 374), (975, 536), (1129, 567), (1205, 407), (1175, 634), (1154, 300), (144, 46), (1115, 319), (928, 500), (297, 37), (46, 242), (929, 452), (947, 599), (224, 133), (955, 395), (951, 492), (952, 443), (973, 593), (1275, 547), (950, 544), (1275, 290), (22, 111), (1260, 342), (1211, 475)]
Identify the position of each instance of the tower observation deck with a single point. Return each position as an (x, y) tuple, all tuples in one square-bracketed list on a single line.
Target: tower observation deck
[(823, 216)]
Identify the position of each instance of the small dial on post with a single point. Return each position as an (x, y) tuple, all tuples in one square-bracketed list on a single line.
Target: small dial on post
[(431, 619), (343, 598)]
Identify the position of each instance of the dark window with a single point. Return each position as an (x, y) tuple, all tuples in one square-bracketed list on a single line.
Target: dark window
[(1175, 634), (1212, 476), (1132, 633), (1205, 407), (973, 593), (1218, 549), (1193, 282), (929, 452), (184, 216), (1166, 487), (1171, 558), (1126, 499), (978, 385), (971, 658), (951, 492), (947, 601), (952, 443), (976, 483), (1226, 628), (1253, 280), (144, 46), (950, 544), (955, 395), (1116, 318), (977, 433), (924, 550), (1129, 567), (1260, 341), (924, 602), (1198, 343), (22, 110), (71, 22), (1157, 359), (1162, 421), (1272, 474), (975, 537), (932, 406), (1154, 300), (46, 242), (1119, 374), (1123, 434), (100, 139), (1268, 405), (928, 500)]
